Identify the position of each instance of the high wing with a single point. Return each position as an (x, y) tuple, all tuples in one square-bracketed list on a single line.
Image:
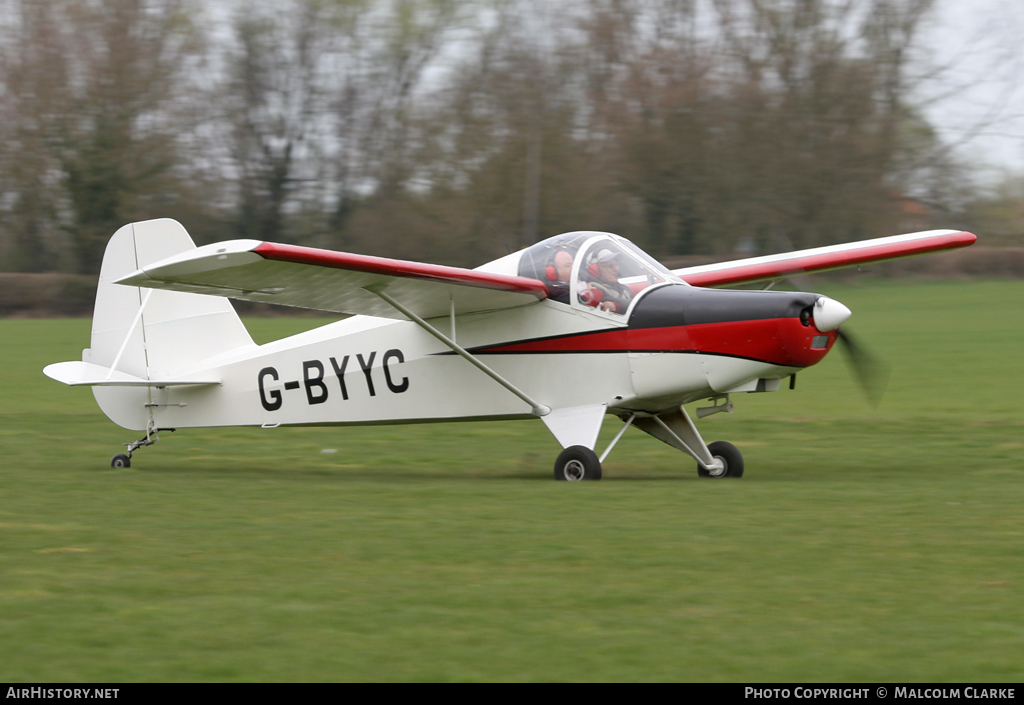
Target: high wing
[(822, 259), (306, 277)]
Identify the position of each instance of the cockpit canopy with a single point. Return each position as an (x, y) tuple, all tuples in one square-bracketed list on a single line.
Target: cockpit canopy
[(607, 271)]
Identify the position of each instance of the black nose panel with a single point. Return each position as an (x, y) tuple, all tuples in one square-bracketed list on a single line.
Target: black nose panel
[(680, 305)]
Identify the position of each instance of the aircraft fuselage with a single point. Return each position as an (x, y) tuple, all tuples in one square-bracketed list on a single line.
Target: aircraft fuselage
[(679, 344)]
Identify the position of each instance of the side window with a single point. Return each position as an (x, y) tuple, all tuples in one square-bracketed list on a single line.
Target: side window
[(552, 262), (558, 275), (600, 277)]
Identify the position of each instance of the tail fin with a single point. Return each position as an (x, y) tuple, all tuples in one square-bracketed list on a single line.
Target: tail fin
[(152, 334)]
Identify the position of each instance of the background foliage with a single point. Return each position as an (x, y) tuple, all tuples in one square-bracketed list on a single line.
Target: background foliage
[(444, 131)]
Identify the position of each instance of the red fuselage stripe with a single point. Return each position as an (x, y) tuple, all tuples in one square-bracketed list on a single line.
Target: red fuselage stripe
[(779, 341), (400, 268)]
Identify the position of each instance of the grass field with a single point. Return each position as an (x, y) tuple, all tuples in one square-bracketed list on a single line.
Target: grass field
[(862, 544)]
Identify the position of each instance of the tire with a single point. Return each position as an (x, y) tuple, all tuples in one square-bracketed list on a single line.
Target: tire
[(120, 461), (730, 455), (577, 463)]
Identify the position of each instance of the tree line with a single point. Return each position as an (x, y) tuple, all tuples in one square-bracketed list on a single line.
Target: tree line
[(451, 132)]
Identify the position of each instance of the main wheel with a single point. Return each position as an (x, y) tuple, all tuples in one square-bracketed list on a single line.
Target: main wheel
[(731, 458), (577, 463), (120, 461)]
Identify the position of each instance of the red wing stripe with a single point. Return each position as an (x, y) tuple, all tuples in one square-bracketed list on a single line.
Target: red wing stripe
[(830, 260), (400, 268)]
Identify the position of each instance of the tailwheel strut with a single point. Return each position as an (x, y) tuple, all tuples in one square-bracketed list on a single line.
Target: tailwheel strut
[(124, 460)]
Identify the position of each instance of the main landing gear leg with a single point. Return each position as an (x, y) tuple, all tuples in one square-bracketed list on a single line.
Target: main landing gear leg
[(576, 430), (718, 460), (124, 460), (579, 462)]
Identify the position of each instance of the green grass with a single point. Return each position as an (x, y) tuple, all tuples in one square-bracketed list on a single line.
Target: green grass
[(862, 544)]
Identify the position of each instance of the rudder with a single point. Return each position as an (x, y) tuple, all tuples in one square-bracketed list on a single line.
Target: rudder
[(174, 333)]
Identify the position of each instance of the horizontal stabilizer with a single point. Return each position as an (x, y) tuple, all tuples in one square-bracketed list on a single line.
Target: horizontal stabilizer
[(86, 374)]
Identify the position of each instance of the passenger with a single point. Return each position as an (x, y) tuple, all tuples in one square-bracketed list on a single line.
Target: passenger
[(615, 297), (559, 273)]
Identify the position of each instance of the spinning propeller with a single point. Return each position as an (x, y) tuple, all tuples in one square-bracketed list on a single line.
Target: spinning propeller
[(871, 372)]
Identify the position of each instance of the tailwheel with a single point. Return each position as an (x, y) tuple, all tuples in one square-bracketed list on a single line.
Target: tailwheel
[(577, 463), (732, 461), (124, 460)]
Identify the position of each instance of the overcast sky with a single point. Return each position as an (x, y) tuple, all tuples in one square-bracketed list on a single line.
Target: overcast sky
[(981, 45)]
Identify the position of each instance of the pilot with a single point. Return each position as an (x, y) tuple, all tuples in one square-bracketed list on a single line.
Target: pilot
[(615, 297), (558, 273)]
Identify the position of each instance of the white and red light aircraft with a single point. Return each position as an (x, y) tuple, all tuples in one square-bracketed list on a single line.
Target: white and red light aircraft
[(576, 327)]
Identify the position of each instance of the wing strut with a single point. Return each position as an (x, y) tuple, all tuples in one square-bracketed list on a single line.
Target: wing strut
[(536, 408)]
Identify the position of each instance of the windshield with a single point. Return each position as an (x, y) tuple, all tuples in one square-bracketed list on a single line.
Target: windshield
[(649, 261)]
